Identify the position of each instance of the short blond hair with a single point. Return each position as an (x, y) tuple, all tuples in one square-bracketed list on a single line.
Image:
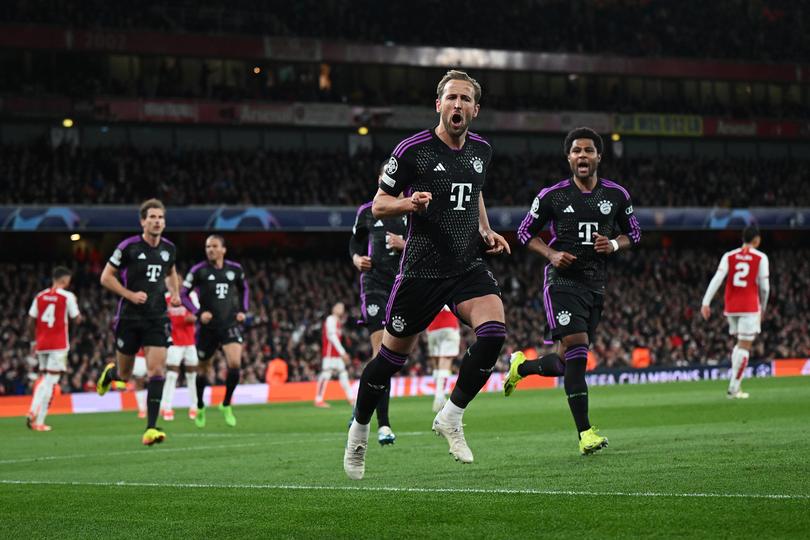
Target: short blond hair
[(458, 75), (148, 205)]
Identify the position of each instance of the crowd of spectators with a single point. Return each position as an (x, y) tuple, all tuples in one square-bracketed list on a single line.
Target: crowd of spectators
[(653, 301), (38, 174), (769, 30)]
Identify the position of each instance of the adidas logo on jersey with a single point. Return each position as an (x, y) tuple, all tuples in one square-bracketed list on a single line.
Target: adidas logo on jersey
[(211, 277), (569, 210), (378, 223), (142, 256), (439, 167)]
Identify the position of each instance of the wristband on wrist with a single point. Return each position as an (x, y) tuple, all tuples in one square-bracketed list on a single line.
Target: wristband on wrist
[(615, 244)]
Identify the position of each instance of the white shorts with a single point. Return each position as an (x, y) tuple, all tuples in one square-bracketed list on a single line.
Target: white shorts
[(52, 360), (444, 342), (178, 354), (335, 365), (139, 369), (744, 326)]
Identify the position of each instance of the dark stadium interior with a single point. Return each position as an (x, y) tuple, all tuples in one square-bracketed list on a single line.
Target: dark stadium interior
[(226, 104)]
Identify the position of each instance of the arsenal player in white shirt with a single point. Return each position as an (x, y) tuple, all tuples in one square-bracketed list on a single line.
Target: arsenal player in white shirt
[(48, 322), (745, 271)]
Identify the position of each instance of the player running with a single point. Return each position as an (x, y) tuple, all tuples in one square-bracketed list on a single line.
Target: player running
[(444, 340), (441, 172), (590, 219), (222, 289), (140, 271), (333, 356), (375, 248)]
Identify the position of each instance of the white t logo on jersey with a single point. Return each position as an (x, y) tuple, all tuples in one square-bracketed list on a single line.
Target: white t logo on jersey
[(587, 235), (152, 272), (463, 195), (222, 290)]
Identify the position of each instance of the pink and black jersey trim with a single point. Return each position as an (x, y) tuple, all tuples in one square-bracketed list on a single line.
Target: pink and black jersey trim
[(422, 136), (524, 233)]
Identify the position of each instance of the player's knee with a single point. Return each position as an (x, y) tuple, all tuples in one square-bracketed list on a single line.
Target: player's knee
[(490, 339)]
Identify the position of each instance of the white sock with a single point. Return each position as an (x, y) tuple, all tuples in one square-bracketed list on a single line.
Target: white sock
[(191, 384), (36, 401), (323, 380), (451, 413), (441, 375), (140, 398), (358, 431), (343, 379), (48, 383), (168, 391), (739, 361)]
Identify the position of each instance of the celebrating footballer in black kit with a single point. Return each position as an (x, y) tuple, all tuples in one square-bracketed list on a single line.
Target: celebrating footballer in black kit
[(139, 271), (222, 289), (375, 248), (590, 218), (441, 173)]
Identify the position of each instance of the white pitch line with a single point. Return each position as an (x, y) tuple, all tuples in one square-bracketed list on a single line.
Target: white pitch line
[(484, 491)]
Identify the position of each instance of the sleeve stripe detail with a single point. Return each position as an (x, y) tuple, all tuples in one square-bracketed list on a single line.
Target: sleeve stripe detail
[(363, 207), (612, 184), (409, 139), (523, 231), (479, 138), (197, 266), (402, 147)]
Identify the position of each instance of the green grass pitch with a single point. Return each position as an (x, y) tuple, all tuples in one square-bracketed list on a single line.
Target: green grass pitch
[(683, 461)]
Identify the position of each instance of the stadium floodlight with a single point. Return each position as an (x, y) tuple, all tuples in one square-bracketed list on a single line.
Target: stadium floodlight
[(362, 130), (615, 137), (67, 123), (75, 237)]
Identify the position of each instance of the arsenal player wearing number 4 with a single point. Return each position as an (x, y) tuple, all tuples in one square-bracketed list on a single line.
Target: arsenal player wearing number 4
[(745, 271), (48, 317)]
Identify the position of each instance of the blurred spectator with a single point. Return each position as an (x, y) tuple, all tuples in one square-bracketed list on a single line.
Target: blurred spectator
[(650, 305), (37, 174)]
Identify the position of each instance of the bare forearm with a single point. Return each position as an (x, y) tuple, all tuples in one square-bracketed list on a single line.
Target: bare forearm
[(537, 245), (110, 282), (483, 219), (388, 206)]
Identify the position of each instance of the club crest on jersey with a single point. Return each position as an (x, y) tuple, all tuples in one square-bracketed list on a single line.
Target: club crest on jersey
[(230, 275), (535, 208), (478, 165), (373, 309), (392, 166), (164, 255), (398, 323), (563, 318), (605, 207), (120, 343)]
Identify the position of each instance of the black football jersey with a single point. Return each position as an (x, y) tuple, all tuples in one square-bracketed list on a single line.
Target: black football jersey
[(443, 241), (574, 216), (142, 267), (369, 238), (222, 291)]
